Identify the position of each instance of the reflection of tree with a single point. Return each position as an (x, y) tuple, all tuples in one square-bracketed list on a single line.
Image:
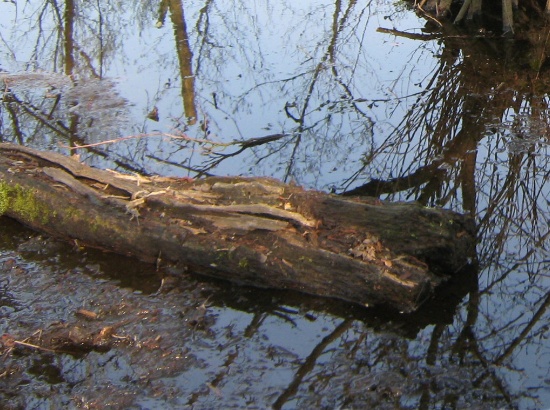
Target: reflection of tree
[(473, 143), (72, 107), (450, 149), (68, 36), (328, 62), (185, 56), (319, 100)]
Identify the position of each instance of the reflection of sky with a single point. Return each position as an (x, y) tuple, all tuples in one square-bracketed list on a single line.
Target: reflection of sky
[(249, 80), (256, 61)]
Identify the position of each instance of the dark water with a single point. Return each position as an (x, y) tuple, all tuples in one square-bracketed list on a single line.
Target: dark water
[(304, 91)]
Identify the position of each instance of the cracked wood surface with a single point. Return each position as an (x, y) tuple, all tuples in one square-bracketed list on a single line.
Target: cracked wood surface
[(254, 231)]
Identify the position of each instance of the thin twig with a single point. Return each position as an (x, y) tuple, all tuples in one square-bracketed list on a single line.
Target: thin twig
[(17, 342), (113, 141), (130, 137)]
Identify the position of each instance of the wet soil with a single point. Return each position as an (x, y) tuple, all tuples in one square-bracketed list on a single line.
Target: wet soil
[(73, 337)]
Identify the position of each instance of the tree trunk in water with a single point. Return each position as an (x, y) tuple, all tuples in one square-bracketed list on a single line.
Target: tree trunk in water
[(253, 231)]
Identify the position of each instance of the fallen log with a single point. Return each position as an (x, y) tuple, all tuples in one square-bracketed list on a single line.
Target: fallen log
[(253, 231)]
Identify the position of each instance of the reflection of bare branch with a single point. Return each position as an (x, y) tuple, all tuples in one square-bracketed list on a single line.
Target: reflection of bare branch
[(15, 123), (88, 62), (525, 332), (203, 29), (42, 118), (179, 165), (327, 60), (467, 342), (217, 156), (255, 324), (489, 371), (309, 363), (210, 145)]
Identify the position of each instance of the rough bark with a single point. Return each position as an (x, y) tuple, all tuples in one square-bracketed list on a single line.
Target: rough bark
[(254, 231)]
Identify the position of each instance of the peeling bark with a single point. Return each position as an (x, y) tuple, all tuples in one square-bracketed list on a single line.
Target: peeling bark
[(253, 231)]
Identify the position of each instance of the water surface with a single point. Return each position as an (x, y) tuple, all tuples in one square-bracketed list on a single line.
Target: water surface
[(309, 92)]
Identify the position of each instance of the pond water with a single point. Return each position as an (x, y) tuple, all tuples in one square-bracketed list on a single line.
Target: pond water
[(343, 96)]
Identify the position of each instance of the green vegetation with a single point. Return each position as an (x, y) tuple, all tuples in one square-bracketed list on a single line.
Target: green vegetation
[(4, 198), (21, 201)]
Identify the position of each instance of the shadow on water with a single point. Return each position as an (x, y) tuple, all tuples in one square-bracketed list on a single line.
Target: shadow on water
[(310, 93)]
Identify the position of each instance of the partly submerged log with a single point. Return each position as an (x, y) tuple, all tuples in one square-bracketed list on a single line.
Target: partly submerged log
[(254, 231)]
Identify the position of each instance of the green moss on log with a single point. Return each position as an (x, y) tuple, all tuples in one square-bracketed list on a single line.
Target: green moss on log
[(23, 202), (4, 198)]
